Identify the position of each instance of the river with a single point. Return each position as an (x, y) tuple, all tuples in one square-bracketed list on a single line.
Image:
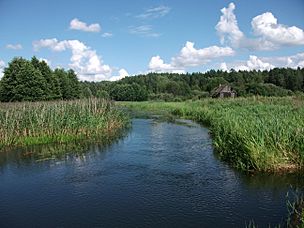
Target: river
[(159, 175)]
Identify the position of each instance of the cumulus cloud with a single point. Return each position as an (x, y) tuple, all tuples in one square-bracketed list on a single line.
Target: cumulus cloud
[(84, 60), (266, 25), (269, 34), (122, 73), (228, 28), (155, 12), (292, 61), (143, 30), (53, 44), (157, 64), (76, 24), (189, 56), (254, 63), (265, 63)]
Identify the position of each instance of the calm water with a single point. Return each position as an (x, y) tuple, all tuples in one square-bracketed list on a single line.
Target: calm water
[(160, 175)]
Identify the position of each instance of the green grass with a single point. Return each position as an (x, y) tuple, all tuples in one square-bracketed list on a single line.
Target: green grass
[(252, 134), (29, 123)]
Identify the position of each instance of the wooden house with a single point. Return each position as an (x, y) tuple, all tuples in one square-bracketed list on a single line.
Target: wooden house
[(223, 91)]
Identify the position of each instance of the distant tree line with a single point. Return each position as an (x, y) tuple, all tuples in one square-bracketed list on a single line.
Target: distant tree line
[(175, 87), (33, 80)]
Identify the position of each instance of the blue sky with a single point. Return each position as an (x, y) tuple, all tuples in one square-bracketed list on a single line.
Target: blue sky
[(107, 40)]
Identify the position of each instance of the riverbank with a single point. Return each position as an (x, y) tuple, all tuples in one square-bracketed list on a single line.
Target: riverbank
[(251, 134), (30, 123)]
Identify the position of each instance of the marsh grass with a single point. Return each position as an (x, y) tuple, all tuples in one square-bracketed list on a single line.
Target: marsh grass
[(252, 134), (296, 210), (29, 123)]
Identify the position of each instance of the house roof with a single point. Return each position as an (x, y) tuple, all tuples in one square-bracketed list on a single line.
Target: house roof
[(217, 90)]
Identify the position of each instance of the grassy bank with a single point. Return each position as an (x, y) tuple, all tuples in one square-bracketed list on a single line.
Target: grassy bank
[(29, 123), (261, 134)]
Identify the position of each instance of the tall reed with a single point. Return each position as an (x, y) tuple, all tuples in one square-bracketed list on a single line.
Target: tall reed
[(28, 123), (263, 134)]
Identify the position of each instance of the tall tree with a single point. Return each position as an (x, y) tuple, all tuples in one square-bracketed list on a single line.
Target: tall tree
[(47, 73), (22, 82)]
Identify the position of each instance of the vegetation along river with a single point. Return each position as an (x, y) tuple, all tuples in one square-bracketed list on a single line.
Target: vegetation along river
[(159, 175)]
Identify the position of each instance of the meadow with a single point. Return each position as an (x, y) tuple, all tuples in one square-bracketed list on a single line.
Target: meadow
[(251, 134), (29, 123)]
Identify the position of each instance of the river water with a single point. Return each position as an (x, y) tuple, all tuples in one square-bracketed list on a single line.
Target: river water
[(159, 175)]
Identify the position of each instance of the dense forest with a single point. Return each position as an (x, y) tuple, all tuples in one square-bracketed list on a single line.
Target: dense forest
[(176, 87), (33, 80)]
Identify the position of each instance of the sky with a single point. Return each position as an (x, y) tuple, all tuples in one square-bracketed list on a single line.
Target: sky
[(108, 40)]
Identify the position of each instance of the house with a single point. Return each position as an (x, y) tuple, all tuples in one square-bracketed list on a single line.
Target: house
[(223, 91)]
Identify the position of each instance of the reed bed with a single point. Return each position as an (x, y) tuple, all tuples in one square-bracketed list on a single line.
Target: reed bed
[(29, 123), (260, 134)]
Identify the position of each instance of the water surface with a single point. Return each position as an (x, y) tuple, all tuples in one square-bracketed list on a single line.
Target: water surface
[(160, 175)]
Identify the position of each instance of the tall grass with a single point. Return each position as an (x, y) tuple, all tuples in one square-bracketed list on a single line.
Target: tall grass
[(262, 134), (29, 123)]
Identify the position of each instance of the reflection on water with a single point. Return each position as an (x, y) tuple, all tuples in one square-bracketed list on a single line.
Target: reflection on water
[(40, 153), (161, 174)]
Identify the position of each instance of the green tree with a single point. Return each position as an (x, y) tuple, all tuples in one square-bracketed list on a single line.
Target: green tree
[(47, 73), (73, 84), (22, 82), (102, 94)]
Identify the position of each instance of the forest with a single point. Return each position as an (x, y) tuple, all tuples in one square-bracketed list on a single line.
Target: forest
[(34, 80)]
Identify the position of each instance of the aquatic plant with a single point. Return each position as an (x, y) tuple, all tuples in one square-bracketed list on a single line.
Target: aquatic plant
[(261, 134), (29, 123)]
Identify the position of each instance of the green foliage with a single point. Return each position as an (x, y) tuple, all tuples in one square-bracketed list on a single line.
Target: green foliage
[(102, 94), (170, 86), (28, 123), (34, 80), (69, 86), (22, 82), (267, 90), (128, 92), (46, 84)]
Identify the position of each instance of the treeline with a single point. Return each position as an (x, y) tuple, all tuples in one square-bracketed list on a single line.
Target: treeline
[(175, 87), (32, 80)]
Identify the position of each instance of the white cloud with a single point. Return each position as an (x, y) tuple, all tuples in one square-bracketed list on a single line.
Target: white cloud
[(82, 26), (155, 12), (189, 56), (45, 60), (266, 25), (292, 61), (14, 46), (265, 63), (107, 34), (228, 28), (53, 44), (224, 67), (2, 65), (253, 63), (269, 34), (143, 30), (122, 74), (84, 60), (158, 65)]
